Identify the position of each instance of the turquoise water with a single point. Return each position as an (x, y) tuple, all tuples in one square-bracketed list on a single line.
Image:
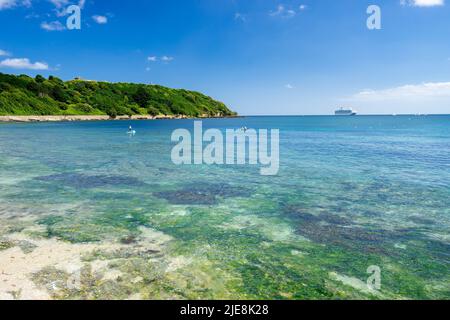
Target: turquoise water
[(351, 193)]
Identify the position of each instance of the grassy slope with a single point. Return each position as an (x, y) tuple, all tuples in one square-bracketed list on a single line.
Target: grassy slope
[(23, 95)]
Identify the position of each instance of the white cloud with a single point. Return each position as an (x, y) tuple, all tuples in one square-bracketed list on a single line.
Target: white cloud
[(7, 4), (410, 92), (4, 53), (32, 15), (289, 86), (164, 59), (240, 17), (23, 63), (100, 19), (282, 12), (59, 3), (422, 3), (62, 5), (52, 26), (167, 58)]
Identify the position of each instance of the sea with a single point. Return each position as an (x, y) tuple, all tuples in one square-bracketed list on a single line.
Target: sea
[(359, 209)]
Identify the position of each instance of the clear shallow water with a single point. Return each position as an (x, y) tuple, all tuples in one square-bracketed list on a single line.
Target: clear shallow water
[(351, 193)]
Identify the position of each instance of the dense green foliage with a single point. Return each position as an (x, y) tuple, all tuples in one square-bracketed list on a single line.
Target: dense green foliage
[(23, 95)]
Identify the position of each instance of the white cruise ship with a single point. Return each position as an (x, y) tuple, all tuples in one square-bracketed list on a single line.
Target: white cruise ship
[(345, 112)]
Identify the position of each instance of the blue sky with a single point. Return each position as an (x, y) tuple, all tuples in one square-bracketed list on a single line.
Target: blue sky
[(258, 56)]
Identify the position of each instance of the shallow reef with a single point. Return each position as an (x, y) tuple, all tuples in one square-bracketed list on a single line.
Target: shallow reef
[(82, 181), (202, 194)]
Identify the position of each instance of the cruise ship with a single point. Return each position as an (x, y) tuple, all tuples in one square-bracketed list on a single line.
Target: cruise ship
[(345, 112)]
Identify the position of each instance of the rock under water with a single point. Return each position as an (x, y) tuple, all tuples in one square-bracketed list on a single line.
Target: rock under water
[(82, 181), (202, 194)]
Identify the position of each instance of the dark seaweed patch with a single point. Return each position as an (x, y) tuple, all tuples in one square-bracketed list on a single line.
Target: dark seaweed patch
[(300, 214), (349, 186), (81, 181), (4, 245), (350, 238), (439, 250), (355, 238), (26, 247), (331, 229), (202, 194), (130, 239), (423, 221), (335, 219), (370, 213)]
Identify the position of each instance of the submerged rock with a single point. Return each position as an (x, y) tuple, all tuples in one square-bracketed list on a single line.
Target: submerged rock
[(5, 245), (130, 239), (202, 194), (26, 246), (422, 221), (300, 214), (82, 181), (331, 229), (335, 219)]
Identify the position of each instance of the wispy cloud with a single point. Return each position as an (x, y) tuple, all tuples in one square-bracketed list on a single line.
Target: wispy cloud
[(52, 26), (167, 59), (62, 5), (100, 19), (59, 3), (8, 4), (4, 53), (282, 12), (163, 59), (407, 92), (23, 63), (240, 17), (289, 86), (422, 3)]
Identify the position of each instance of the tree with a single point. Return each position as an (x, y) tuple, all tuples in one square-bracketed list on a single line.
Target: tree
[(39, 78), (33, 87), (59, 94), (112, 112), (142, 97)]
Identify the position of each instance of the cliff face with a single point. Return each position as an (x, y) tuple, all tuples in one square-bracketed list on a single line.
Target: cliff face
[(23, 95)]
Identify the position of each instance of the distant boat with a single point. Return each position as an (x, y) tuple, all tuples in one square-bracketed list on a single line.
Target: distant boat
[(345, 112)]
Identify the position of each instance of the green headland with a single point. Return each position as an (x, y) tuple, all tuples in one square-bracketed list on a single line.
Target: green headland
[(26, 96)]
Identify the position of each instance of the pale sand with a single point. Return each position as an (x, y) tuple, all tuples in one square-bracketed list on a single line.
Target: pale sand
[(17, 267)]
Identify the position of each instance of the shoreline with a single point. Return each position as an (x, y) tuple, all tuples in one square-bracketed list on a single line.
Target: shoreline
[(68, 118)]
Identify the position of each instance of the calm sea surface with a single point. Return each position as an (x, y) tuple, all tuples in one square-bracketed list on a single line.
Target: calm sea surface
[(352, 192)]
